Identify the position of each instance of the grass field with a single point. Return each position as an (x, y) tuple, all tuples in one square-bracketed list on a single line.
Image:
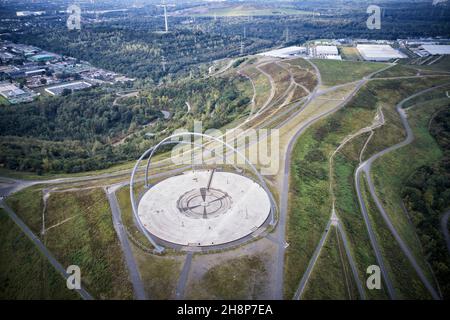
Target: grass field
[(158, 273), (123, 198), (262, 86), (386, 94), (336, 72), (403, 276), (309, 201), (24, 272), (390, 171), (332, 260), (302, 63), (350, 53), (398, 70), (79, 231), (28, 205), (309, 198), (280, 77), (347, 208), (238, 278), (441, 65)]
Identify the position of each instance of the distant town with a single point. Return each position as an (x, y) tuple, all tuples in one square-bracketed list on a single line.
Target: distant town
[(27, 72)]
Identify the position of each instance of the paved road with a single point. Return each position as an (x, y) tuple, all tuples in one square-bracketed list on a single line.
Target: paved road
[(182, 280), (281, 228), (365, 167), (359, 286), (312, 262), (284, 194), (133, 271), (378, 121), (373, 240), (42, 248), (444, 227)]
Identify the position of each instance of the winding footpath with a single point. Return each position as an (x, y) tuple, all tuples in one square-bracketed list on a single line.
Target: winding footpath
[(284, 193), (365, 168), (334, 219)]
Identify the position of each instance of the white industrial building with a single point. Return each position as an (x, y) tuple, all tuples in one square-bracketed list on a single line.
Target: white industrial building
[(74, 86), (287, 52), (9, 90), (326, 52), (379, 52), (435, 49)]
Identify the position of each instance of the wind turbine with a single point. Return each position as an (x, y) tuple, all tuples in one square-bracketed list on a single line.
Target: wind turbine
[(165, 5)]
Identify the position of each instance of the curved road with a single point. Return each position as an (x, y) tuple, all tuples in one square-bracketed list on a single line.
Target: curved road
[(284, 194), (365, 167)]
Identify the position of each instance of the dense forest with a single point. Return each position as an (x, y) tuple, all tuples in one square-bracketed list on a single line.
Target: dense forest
[(94, 129), (136, 50), (427, 197)]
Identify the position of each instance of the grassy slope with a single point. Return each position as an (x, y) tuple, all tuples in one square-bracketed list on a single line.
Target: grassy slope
[(442, 65), (402, 274), (123, 198), (386, 94), (309, 200), (332, 260), (28, 205), (87, 239), (350, 53), (24, 272), (234, 279), (309, 203), (337, 72), (390, 171), (159, 273), (302, 63), (347, 208), (397, 71)]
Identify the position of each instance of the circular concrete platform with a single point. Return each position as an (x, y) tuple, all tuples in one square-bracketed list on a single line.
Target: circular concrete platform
[(204, 208)]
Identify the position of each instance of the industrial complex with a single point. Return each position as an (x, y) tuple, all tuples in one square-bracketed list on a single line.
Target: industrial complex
[(379, 52), (28, 71)]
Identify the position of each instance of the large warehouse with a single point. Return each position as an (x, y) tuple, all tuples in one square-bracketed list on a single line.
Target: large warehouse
[(379, 52), (74, 86), (326, 52), (285, 52), (434, 49)]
